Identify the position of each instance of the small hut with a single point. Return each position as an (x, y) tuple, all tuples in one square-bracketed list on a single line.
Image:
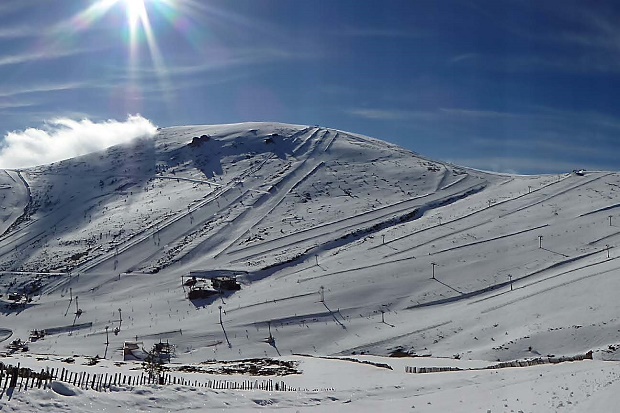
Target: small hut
[(133, 350), (226, 283), (198, 293), (206, 283)]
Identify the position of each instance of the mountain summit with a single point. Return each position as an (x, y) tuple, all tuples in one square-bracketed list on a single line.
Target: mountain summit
[(340, 244)]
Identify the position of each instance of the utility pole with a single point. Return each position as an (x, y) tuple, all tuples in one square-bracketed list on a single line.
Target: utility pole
[(322, 293), (607, 245), (510, 279), (383, 236), (316, 257), (270, 339), (107, 342), (540, 237), (120, 318), (433, 264), (610, 220), (220, 307)]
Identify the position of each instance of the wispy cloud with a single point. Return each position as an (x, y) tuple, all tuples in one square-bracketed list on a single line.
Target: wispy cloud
[(11, 6), (586, 62), (16, 105), (463, 57), (592, 27), (17, 32), (479, 114), (580, 37), (588, 118), (443, 113), (65, 138), (379, 32), (41, 88), (533, 139), (545, 145), (28, 57), (389, 114), (535, 114), (518, 164), (235, 58)]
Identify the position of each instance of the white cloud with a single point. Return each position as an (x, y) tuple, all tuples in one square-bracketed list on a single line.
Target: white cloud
[(48, 54), (65, 138), (526, 165), (463, 57), (380, 32), (475, 113), (390, 114), (41, 88), (17, 32)]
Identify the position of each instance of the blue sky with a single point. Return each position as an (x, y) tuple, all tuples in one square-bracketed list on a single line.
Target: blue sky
[(511, 86)]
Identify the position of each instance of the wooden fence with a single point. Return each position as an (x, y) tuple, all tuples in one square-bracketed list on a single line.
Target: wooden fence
[(505, 364), (16, 378)]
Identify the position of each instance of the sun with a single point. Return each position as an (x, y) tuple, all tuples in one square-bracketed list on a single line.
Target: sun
[(137, 17), (136, 12), (139, 31), (134, 5), (139, 27)]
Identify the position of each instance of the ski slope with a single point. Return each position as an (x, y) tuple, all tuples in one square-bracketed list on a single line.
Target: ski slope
[(349, 246)]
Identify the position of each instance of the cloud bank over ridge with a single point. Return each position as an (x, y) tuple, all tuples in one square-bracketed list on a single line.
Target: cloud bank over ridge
[(64, 138)]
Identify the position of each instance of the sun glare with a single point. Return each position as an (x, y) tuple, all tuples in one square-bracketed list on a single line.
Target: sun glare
[(136, 11), (134, 5), (139, 30)]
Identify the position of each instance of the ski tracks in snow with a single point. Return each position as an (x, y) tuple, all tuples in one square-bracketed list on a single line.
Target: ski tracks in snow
[(303, 171), (333, 230)]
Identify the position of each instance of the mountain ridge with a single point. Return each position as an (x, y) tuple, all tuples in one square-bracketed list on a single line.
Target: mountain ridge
[(342, 243)]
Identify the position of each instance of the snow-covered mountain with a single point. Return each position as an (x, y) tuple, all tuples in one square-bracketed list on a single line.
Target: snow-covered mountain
[(342, 244)]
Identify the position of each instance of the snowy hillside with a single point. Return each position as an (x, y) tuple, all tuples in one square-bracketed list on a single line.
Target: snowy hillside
[(343, 245)]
